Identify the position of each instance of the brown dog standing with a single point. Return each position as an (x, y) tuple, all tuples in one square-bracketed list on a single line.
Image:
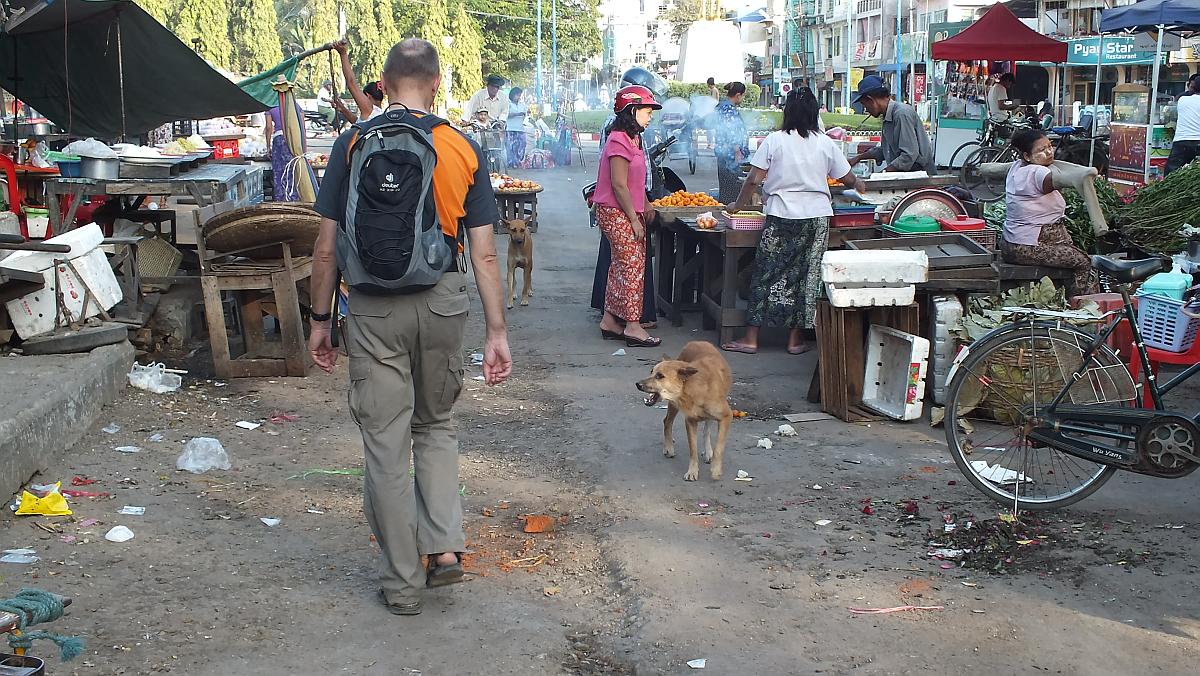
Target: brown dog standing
[(520, 255), (697, 385)]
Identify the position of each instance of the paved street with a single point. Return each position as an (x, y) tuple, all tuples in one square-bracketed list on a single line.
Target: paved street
[(643, 572)]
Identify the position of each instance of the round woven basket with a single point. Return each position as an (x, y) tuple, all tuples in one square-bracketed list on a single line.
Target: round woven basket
[(255, 231)]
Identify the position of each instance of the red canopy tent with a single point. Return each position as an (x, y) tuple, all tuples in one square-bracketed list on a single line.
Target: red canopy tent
[(999, 35)]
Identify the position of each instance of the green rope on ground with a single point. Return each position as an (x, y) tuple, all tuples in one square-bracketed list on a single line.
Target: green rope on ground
[(34, 606)]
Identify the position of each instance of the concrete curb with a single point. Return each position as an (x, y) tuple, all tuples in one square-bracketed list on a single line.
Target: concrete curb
[(47, 403)]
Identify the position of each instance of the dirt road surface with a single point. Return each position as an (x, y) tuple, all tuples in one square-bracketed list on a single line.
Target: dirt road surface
[(643, 571)]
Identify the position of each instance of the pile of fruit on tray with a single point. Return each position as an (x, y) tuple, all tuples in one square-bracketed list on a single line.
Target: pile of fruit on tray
[(682, 198), (506, 183), (318, 160)]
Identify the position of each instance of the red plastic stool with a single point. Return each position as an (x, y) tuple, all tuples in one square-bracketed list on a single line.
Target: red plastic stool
[(1121, 339), (1157, 358)]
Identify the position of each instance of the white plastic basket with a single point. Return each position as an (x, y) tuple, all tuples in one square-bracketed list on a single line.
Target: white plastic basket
[(894, 381)]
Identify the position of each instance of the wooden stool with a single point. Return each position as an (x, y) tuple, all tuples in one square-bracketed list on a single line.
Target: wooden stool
[(263, 287)]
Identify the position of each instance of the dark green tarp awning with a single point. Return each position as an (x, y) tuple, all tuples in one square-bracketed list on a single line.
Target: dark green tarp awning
[(259, 86), (66, 59)]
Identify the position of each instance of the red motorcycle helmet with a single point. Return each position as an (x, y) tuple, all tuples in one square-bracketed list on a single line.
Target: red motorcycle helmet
[(634, 95)]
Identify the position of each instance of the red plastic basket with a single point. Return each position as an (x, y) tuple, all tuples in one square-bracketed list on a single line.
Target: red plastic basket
[(223, 149)]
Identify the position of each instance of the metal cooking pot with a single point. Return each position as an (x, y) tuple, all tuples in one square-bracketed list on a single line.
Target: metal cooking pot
[(100, 168)]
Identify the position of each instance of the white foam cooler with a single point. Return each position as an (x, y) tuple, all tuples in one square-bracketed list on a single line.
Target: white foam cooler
[(34, 313), (873, 277), (894, 380)]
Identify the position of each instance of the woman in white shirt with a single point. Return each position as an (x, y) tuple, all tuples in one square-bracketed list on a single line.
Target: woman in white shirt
[(517, 112), (1034, 224), (793, 166)]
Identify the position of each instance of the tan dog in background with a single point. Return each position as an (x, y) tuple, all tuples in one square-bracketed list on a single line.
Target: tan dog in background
[(697, 385), (520, 255)]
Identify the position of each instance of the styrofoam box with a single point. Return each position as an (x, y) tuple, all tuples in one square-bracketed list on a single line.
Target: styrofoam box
[(863, 294), (946, 312), (879, 268), (34, 313), (81, 240), (894, 382)]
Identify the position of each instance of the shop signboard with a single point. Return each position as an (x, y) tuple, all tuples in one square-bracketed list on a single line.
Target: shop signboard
[(918, 91), (945, 31), (856, 76), (1118, 50), (1127, 147)]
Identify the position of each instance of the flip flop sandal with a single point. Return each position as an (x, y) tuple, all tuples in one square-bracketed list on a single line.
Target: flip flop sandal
[(411, 608), (439, 575), (740, 348), (799, 349), (642, 342), (611, 335)]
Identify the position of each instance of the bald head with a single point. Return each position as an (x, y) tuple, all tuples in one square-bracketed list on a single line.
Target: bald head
[(413, 60)]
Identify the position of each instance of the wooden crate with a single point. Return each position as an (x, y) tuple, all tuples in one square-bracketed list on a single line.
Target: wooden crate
[(841, 352)]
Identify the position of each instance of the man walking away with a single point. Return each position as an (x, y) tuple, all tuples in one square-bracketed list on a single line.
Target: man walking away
[(905, 145), (405, 331), (1186, 145)]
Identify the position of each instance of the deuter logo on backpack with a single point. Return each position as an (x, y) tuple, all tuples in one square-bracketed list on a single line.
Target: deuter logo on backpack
[(391, 240)]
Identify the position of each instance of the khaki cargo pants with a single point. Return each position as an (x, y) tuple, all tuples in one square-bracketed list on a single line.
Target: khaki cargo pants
[(406, 371)]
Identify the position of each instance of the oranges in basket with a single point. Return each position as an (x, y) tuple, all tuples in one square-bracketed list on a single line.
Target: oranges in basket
[(682, 198)]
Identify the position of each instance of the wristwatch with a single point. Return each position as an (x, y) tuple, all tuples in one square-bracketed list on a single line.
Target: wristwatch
[(316, 317)]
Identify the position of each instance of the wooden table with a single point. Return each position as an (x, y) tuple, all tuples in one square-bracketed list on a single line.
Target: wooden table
[(517, 204), (725, 254), (209, 185), (679, 268)]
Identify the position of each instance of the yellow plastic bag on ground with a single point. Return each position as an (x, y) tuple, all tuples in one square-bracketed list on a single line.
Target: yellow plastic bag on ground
[(53, 504)]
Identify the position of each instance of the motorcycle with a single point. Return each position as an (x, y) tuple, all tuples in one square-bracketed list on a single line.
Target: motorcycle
[(317, 124), (678, 121)]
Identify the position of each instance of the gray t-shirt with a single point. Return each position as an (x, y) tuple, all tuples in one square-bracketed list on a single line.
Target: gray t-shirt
[(905, 145)]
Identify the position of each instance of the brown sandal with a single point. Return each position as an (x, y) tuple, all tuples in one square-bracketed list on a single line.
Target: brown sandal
[(439, 575)]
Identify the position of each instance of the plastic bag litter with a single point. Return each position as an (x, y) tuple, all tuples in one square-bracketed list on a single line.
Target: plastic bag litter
[(154, 378), (51, 504), (90, 148), (119, 534), (19, 556), (202, 454), (786, 431)]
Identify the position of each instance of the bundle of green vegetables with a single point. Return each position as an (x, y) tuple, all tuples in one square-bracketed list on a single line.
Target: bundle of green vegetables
[(1156, 217)]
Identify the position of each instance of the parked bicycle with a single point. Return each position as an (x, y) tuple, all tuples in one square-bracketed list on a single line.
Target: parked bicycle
[(1040, 413), (993, 146)]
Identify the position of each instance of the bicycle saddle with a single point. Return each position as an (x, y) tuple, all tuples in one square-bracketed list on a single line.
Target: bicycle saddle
[(1130, 271)]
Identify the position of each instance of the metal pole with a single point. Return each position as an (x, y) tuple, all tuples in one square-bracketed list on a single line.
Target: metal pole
[(1095, 103), (899, 70), (538, 88), (121, 75), (849, 52), (1153, 101), (554, 52)]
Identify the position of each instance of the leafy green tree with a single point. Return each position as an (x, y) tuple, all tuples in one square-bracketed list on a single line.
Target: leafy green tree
[(510, 45), (208, 22), (305, 24), (159, 9), (464, 56), (682, 15), (371, 29), (253, 35)]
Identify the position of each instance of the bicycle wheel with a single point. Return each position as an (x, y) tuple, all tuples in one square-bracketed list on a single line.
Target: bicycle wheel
[(962, 153), (1000, 386), (971, 178)]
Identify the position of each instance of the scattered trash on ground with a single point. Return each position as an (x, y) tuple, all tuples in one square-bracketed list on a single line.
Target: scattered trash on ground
[(697, 664), (111, 428), (202, 454), (852, 462), (476, 359), (619, 353), (739, 414), (247, 425), (129, 510), (119, 534), (83, 481), (46, 502), (897, 609), (766, 443), (818, 487), (552, 591), (156, 378), (786, 431), (128, 449), (995, 473), (743, 475), (822, 522), (88, 523), (280, 418), (270, 522), (814, 416), (328, 472), (538, 523), (479, 378), (24, 556), (156, 437), (75, 493)]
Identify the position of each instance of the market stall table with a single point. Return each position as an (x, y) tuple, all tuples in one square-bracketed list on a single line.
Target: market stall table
[(210, 185), (678, 266), (517, 205)]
